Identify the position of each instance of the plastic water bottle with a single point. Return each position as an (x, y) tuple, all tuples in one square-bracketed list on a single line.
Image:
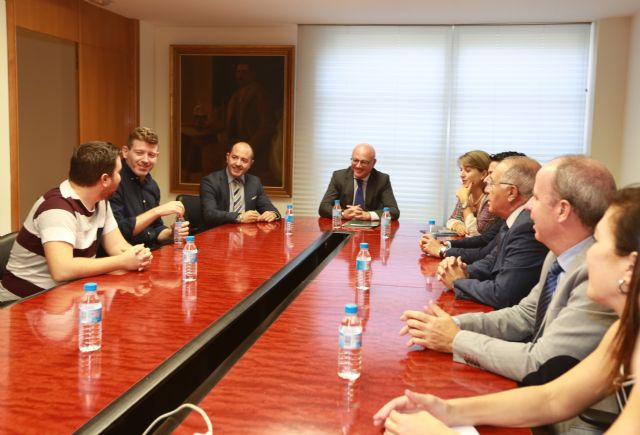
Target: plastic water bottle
[(336, 215), (90, 324), (288, 220), (363, 268), (350, 342), (178, 240), (431, 227), (385, 223), (190, 260)]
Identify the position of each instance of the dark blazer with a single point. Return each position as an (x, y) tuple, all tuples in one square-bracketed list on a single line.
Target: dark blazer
[(379, 193), (477, 247), (510, 271), (214, 198)]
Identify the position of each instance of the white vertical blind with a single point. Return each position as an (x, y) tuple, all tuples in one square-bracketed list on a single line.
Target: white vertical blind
[(424, 95)]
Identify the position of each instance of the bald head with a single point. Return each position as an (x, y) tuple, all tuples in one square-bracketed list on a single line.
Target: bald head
[(239, 159), (363, 159)]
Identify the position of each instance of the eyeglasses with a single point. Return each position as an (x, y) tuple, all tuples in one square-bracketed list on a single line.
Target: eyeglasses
[(491, 184), (360, 162)]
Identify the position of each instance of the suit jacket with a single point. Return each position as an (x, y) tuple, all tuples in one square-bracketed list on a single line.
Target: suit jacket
[(379, 193), (502, 341), (477, 247), (510, 271), (214, 198)]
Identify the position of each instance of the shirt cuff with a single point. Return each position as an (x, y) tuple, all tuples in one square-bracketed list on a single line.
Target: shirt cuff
[(374, 216)]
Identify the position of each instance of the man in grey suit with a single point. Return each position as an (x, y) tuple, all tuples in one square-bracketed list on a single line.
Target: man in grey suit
[(231, 195), (552, 329), (362, 190), (507, 274)]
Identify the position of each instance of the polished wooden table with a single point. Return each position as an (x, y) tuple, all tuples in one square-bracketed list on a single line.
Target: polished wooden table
[(285, 383)]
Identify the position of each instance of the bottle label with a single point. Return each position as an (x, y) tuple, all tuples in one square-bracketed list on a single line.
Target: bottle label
[(90, 314), (189, 256), (289, 218), (363, 265), (386, 221), (350, 341), (337, 212)]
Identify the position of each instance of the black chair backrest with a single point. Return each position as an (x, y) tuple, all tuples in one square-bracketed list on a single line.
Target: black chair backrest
[(6, 243), (192, 212)]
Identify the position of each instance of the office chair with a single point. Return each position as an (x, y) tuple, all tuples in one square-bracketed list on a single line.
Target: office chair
[(192, 212), (6, 242)]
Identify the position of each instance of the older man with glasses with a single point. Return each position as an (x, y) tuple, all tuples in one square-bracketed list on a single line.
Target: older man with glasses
[(508, 273), (362, 190)]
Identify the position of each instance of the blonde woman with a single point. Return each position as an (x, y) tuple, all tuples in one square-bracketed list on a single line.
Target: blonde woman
[(471, 215)]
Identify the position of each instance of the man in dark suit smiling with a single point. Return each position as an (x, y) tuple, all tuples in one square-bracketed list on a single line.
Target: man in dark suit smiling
[(362, 190), (231, 195)]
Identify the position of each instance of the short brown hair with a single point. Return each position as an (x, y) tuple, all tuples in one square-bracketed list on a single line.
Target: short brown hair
[(92, 159), (587, 184), (145, 134)]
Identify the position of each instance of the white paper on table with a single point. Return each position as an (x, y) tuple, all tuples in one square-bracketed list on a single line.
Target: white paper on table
[(466, 430)]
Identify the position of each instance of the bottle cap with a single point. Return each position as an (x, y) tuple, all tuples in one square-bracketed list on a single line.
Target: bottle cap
[(336, 202), (191, 238), (351, 309), (432, 221), (364, 245), (385, 209), (90, 286), (289, 205)]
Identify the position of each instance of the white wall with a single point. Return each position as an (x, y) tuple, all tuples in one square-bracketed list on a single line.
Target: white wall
[(609, 94), (5, 168), (631, 148), (154, 73)]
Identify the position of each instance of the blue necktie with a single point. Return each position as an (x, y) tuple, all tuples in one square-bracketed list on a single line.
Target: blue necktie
[(546, 294), (359, 195)]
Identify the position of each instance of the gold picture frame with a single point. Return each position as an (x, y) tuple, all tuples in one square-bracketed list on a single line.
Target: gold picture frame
[(223, 94)]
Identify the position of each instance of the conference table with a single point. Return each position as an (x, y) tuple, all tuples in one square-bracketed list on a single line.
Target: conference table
[(254, 341)]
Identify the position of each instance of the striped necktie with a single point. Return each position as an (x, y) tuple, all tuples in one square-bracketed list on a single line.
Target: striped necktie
[(238, 196), (546, 294)]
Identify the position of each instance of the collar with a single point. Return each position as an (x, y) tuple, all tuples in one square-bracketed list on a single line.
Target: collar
[(230, 177), (365, 179), (66, 190), (514, 215), (566, 258)]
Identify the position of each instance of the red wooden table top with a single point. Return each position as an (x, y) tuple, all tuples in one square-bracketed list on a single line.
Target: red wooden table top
[(286, 383), (46, 385)]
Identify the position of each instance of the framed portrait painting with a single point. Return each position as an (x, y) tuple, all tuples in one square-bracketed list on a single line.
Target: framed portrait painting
[(224, 94)]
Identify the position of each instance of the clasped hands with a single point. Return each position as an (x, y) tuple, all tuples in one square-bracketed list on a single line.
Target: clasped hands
[(430, 246), (137, 257), (250, 216), (451, 269), (356, 212), (432, 328)]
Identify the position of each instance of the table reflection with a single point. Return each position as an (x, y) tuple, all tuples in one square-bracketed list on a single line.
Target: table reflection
[(89, 372)]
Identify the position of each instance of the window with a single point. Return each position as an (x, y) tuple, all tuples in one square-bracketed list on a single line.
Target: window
[(424, 95)]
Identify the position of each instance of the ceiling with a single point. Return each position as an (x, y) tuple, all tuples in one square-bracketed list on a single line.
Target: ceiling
[(194, 13)]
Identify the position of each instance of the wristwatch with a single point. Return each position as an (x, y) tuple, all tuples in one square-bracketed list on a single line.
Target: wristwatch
[(443, 251)]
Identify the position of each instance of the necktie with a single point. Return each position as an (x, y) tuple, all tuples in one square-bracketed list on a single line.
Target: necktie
[(359, 195), (238, 197), (546, 294)]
